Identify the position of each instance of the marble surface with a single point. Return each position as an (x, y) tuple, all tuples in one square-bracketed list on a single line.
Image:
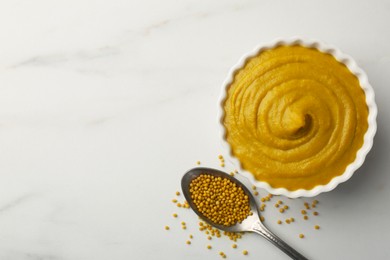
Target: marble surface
[(105, 104)]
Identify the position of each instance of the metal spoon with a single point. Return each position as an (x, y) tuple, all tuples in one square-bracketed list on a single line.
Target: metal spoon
[(251, 223)]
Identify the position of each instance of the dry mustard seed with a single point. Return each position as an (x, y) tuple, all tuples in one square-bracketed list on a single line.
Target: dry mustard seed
[(303, 212), (270, 195), (183, 223), (220, 156), (191, 236), (198, 162), (305, 217), (234, 246), (285, 207), (276, 205), (235, 171), (219, 199), (253, 187), (188, 242), (315, 201), (288, 221), (177, 193), (279, 222), (315, 213), (245, 252), (292, 219), (262, 199), (301, 235), (174, 215), (221, 253), (222, 165), (280, 202), (255, 193), (179, 205), (166, 227), (306, 204), (262, 218), (281, 210), (184, 227), (209, 237), (174, 200), (231, 174), (209, 247), (317, 227)]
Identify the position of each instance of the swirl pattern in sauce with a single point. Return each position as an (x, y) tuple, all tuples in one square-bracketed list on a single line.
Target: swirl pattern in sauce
[(295, 117)]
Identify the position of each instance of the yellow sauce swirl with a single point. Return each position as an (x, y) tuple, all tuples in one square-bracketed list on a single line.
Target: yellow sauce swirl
[(295, 117)]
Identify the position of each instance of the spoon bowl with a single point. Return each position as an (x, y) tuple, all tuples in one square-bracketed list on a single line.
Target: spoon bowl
[(251, 224)]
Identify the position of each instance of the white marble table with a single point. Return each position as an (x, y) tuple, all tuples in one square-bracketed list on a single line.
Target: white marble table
[(104, 105)]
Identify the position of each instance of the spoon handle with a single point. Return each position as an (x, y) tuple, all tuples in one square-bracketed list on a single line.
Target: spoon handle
[(259, 228)]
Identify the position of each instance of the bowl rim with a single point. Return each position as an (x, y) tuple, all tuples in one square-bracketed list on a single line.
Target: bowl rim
[(370, 101)]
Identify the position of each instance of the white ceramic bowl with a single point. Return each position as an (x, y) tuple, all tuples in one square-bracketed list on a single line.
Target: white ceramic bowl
[(368, 137)]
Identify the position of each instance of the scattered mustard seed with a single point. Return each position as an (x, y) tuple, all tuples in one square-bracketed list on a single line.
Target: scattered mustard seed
[(280, 202), (255, 193), (301, 235), (209, 247), (262, 218), (220, 156), (232, 174), (315, 213), (317, 227), (188, 242), (281, 210), (174, 200), (198, 162), (279, 222), (177, 193), (253, 187), (166, 227), (234, 245), (191, 236), (285, 207), (288, 221), (174, 215), (245, 252), (292, 219), (305, 217), (222, 165), (303, 212), (209, 238), (276, 205)]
